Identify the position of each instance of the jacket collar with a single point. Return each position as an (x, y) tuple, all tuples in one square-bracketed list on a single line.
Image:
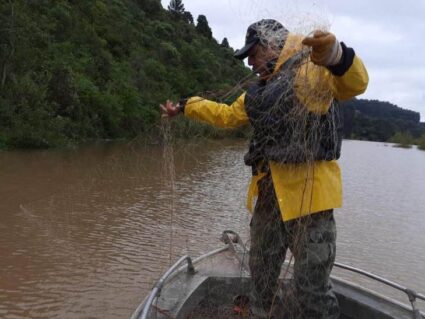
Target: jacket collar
[(292, 46)]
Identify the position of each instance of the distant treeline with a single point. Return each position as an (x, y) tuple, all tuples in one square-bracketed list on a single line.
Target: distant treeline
[(379, 121), (72, 71)]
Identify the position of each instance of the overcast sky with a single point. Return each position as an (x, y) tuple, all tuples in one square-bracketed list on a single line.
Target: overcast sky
[(389, 36)]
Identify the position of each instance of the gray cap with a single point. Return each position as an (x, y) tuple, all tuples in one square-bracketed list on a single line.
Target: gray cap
[(261, 31)]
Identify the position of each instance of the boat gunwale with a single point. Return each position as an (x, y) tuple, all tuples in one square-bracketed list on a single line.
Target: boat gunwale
[(148, 300)]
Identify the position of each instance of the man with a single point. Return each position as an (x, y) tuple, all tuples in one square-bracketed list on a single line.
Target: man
[(297, 134)]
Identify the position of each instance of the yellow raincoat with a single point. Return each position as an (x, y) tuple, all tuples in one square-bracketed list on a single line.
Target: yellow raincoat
[(301, 189)]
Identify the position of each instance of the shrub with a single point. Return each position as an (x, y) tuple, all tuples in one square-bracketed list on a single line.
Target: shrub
[(404, 140)]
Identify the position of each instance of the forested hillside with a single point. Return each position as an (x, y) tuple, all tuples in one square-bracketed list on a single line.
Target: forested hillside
[(77, 70), (379, 121)]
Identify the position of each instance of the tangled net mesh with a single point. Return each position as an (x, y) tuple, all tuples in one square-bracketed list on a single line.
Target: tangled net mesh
[(307, 124)]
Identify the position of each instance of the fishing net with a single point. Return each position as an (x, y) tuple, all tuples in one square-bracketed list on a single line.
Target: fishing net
[(295, 123)]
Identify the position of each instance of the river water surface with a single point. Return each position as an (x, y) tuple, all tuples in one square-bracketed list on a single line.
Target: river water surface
[(85, 233)]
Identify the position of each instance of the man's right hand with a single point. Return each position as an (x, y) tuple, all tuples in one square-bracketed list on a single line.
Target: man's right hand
[(169, 109), (325, 49)]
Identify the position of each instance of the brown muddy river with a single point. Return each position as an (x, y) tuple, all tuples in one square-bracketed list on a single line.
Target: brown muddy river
[(85, 233)]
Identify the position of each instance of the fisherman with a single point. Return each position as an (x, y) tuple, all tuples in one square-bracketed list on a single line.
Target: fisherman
[(297, 133)]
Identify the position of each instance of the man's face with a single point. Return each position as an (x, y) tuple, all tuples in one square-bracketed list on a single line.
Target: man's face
[(258, 57)]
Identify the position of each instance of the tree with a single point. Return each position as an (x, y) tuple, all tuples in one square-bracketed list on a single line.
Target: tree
[(404, 140), (177, 7), (151, 7), (188, 17), (225, 43), (7, 46), (421, 143), (203, 27)]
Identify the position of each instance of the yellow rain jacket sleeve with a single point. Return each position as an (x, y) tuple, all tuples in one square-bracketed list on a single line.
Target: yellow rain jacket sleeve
[(217, 114), (301, 189)]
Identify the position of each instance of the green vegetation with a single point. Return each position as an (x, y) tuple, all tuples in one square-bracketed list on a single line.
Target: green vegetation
[(72, 71), (381, 121), (403, 140), (421, 143), (203, 27)]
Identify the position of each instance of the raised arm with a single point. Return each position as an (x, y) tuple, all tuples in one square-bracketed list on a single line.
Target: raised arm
[(349, 75)]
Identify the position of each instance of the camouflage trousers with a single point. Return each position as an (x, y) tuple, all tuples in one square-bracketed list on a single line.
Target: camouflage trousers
[(311, 240)]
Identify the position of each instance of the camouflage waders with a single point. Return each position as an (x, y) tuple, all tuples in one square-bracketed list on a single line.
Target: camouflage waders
[(312, 242)]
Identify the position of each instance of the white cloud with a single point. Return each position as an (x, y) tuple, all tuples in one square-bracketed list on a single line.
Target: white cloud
[(366, 32)]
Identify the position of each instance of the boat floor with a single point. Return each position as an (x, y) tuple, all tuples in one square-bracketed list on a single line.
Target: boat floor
[(206, 309)]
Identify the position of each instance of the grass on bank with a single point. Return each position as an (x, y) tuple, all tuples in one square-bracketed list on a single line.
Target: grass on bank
[(405, 140), (421, 143)]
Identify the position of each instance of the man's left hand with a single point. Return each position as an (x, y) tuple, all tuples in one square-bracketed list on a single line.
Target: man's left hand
[(169, 109)]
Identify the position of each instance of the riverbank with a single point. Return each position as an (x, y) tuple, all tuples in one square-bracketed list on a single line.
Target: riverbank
[(180, 127)]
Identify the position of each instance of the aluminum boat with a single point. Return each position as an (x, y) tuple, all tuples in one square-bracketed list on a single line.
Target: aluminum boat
[(213, 286)]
